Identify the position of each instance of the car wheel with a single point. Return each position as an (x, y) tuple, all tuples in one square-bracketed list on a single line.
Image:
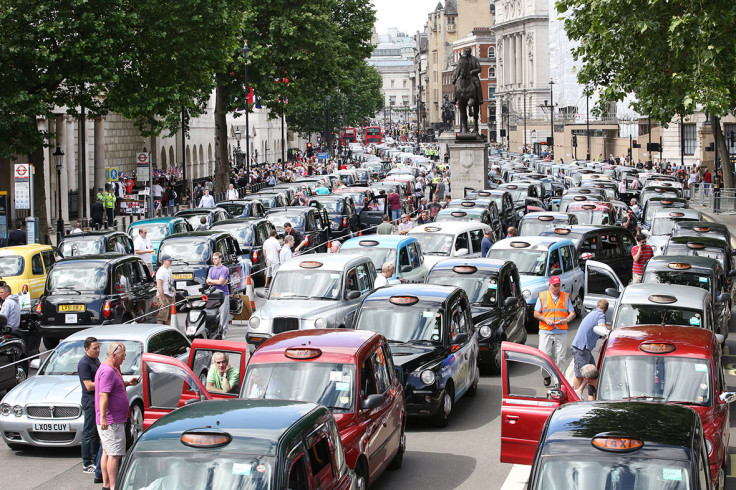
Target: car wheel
[(445, 409), (399, 457), (494, 367), (134, 426), (50, 343), (473, 390), (578, 304), (361, 476), (21, 373)]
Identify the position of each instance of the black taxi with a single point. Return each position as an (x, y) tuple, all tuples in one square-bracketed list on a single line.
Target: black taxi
[(607, 445), (96, 242), (254, 444), (191, 255), (496, 304), (212, 215), (83, 292), (434, 345)]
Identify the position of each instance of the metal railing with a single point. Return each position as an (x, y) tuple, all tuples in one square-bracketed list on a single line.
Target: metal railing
[(722, 200)]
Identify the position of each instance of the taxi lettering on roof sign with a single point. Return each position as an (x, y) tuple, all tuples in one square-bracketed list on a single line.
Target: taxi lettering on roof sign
[(512, 187), (678, 266), (403, 300), (302, 353), (520, 244), (432, 228), (677, 215), (205, 439), (465, 269), (562, 231), (468, 204), (310, 264), (695, 245), (367, 243), (701, 229), (662, 299), (581, 198), (459, 213), (618, 444), (545, 218), (657, 348)]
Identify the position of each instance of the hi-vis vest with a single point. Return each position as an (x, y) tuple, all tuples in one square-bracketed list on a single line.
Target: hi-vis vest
[(553, 312), (109, 200)]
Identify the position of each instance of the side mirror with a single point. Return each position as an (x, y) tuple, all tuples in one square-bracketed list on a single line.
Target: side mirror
[(36, 364), (261, 294), (727, 396), (461, 252), (613, 292), (724, 297), (353, 295), (555, 272), (405, 269), (645, 232), (556, 395), (720, 338), (459, 338), (600, 331), (371, 401), (511, 301)]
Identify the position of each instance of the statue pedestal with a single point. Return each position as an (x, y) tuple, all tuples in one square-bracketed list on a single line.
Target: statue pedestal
[(469, 164)]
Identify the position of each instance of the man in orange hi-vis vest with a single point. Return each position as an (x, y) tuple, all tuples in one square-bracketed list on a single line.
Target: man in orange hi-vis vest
[(554, 311)]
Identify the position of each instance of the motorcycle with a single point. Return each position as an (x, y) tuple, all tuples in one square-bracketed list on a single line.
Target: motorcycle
[(202, 306)]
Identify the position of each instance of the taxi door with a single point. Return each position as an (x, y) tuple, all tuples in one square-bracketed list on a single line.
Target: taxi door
[(202, 363), (526, 402), (163, 378), (600, 277)]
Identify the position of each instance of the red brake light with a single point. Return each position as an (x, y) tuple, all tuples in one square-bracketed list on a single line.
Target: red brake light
[(204, 297), (306, 240), (344, 222), (107, 309), (255, 256)]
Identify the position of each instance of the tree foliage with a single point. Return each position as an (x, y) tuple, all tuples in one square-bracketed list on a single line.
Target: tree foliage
[(674, 56)]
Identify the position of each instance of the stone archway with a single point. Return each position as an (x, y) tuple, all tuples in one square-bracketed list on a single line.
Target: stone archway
[(162, 162), (172, 158)]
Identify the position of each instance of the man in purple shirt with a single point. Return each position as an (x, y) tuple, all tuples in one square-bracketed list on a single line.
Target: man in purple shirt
[(111, 411), (219, 276)]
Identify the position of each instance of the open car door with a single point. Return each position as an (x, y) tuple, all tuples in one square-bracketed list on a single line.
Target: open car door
[(165, 379), (527, 403), (372, 213), (202, 363), (600, 277)]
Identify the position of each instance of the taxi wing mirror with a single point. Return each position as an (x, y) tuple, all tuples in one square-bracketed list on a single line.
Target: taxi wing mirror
[(720, 338), (510, 301), (405, 269), (613, 292), (556, 395), (460, 252), (727, 396), (261, 294), (645, 232), (36, 364), (555, 272), (353, 295), (371, 401), (724, 297), (459, 338), (600, 330)]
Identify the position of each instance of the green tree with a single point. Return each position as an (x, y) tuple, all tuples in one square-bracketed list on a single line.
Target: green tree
[(675, 57)]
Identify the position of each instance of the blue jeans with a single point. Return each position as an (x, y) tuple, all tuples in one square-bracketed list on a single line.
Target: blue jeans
[(98, 470), (395, 214), (90, 438)]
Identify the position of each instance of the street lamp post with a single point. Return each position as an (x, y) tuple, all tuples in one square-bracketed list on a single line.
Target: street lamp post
[(238, 154), (245, 51), (390, 112), (552, 117), (327, 123), (523, 92), (58, 160)]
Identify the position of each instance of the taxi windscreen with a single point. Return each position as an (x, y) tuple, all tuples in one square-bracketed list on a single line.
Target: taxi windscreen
[(83, 246), (655, 378), (76, 276), (11, 265), (329, 384), (481, 290), (156, 233), (664, 225), (278, 220), (332, 206), (534, 226), (435, 243), (378, 256), (196, 219), (591, 217), (242, 233), (306, 284), (66, 357), (406, 324), (233, 208), (206, 469), (657, 315), (529, 262), (194, 250), (612, 471), (712, 252), (673, 277)]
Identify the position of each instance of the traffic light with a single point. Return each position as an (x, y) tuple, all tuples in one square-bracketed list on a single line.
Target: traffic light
[(636, 145), (575, 140), (309, 149)]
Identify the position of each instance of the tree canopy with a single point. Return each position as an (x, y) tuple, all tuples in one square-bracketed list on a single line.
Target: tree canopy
[(675, 56)]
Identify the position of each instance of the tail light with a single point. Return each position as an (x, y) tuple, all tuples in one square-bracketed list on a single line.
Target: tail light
[(344, 222), (25, 288), (255, 256), (107, 309), (205, 298), (306, 240)]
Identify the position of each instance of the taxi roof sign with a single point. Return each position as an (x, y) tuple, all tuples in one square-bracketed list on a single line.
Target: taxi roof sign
[(302, 353), (588, 206), (512, 186), (701, 229), (464, 269), (459, 213), (205, 438), (520, 244), (310, 264), (484, 193), (562, 231), (657, 348), (666, 202), (432, 228), (403, 300), (695, 245), (367, 243), (663, 299), (468, 204), (616, 444), (545, 218), (677, 214), (580, 198), (678, 266)]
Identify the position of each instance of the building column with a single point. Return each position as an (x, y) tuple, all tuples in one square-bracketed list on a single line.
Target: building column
[(61, 140), (506, 61), (519, 59), (99, 146)]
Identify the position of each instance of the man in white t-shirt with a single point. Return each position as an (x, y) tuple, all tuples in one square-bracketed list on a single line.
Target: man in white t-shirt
[(387, 270), (271, 248), (143, 247), (232, 193), (286, 253), (207, 200), (166, 290)]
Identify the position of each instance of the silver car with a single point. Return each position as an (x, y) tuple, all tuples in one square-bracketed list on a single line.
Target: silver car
[(46, 409), (315, 291)]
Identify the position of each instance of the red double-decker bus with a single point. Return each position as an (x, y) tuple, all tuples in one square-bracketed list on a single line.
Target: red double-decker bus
[(373, 135), (348, 135)]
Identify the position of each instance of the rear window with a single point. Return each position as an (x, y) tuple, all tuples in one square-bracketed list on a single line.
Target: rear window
[(77, 277), (83, 246), (11, 265)]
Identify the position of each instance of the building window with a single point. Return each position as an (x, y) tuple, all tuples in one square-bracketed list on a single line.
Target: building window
[(491, 52), (392, 83), (688, 137), (451, 20), (729, 133), (492, 72), (404, 83), (491, 93)]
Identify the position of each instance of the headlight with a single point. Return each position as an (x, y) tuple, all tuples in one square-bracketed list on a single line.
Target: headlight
[(485, 331), (5, 409), (17, 410), (527, 294), (708, 446), (320, 323), (427, 377), (254, 322)]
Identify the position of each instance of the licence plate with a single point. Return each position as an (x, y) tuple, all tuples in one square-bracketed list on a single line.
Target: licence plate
[(181, 284), (70, 318), (183, 276), (71, 308), (51, 427)]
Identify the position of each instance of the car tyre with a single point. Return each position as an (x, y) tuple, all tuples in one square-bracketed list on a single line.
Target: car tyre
[(473, 390), (578, 304), (399, 457), (442, 416), (134, 425), (361, 476), (50, 343), (494, 367)]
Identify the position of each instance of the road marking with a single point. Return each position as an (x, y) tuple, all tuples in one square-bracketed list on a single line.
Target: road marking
[(517, 478)]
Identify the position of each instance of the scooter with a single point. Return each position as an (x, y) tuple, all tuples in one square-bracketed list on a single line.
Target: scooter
[(203, 312)]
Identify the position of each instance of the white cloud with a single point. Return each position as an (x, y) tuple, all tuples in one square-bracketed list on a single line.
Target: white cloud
[(408, 16)]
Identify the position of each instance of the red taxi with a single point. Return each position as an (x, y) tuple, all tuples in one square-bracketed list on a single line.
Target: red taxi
[(350, 372), (671, 364), (593, 213)]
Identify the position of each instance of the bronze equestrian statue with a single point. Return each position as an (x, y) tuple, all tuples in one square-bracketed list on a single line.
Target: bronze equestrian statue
[(468, 93), (448, 114)]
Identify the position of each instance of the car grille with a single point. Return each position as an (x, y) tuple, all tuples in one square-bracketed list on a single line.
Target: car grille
[(58, 437), (281, 325), (53, 412)]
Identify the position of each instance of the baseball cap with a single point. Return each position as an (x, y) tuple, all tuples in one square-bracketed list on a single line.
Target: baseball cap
[(166, 257), (554, 280)]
